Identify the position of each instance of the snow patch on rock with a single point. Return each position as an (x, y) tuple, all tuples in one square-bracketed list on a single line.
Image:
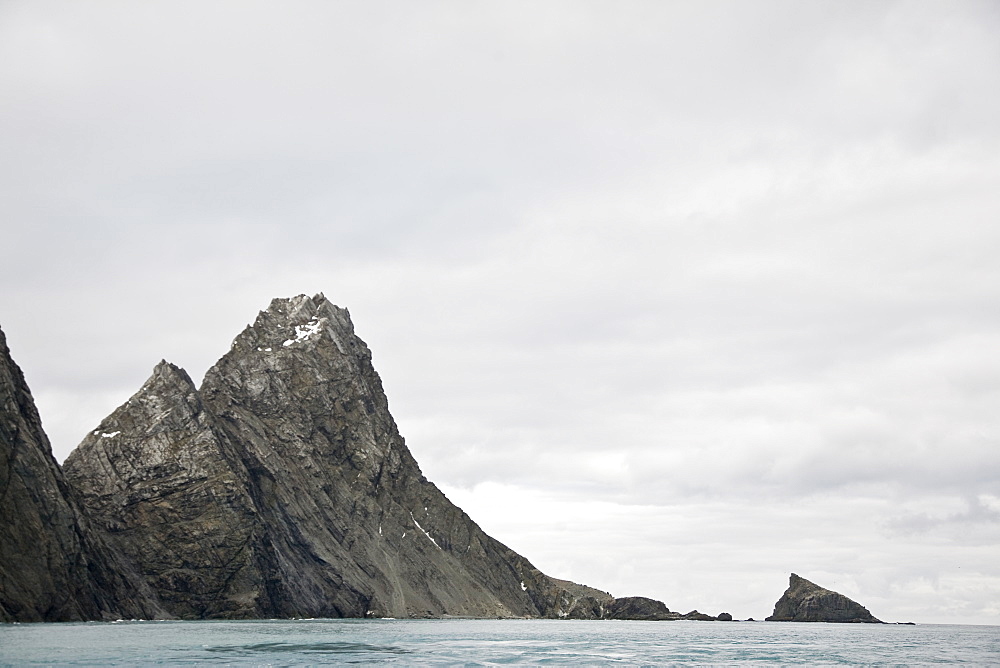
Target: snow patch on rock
[(304, 332)]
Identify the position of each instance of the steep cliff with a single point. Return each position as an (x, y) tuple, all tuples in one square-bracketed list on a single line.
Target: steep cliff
[(53, 567), (805, 601), (168, 490), (282, 488)]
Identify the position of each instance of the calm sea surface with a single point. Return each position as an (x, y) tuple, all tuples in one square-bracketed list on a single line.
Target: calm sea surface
[(489, 642)]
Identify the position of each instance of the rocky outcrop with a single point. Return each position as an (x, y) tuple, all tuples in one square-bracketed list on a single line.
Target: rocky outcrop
[(648, 609), (53, 566), (805, 601), (165, 486), (640, 608), (282, 488)]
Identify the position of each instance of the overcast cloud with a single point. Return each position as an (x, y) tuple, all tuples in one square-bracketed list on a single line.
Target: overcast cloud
[(673, 298)]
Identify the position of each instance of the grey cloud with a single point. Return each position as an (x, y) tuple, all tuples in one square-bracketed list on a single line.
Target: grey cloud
[(689, 257), (977, 523)]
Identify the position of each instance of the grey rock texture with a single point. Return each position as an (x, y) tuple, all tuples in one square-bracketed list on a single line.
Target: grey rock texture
[(53, 567), (282, 488), (640, 607), (648, 609), (167, 488), (805, 601)]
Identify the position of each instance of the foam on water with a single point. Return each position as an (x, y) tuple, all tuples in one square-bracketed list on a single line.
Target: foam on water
[(492, 642)]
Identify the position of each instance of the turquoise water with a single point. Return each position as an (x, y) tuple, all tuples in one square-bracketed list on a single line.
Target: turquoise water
[(491, 642)]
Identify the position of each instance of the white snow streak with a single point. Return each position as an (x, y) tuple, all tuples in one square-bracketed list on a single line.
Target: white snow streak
[(429, 537)]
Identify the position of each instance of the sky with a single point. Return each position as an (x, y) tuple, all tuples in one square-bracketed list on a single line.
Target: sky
[(673, 298)]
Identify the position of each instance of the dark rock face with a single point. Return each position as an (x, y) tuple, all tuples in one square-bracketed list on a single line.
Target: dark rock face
[(282, 488), (648, 609), (159, 478), (640, 608), (53, 567), (805, 601)]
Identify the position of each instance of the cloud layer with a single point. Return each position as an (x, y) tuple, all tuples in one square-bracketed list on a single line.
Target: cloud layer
[(675, 298)]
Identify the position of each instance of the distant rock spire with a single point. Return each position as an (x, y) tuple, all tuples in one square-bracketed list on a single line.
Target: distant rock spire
[(805, 601)]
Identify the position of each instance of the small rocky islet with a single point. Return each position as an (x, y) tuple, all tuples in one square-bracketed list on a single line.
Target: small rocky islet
[(805, 601), (279, 488)]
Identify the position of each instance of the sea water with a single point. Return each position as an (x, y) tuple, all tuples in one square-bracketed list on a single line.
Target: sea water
[(491, 642)]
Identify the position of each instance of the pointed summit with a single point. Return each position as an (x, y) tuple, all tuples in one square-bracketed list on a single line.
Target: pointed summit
[(160, 478), (293, 324), (805, 601), (283, 488), (170, 374)]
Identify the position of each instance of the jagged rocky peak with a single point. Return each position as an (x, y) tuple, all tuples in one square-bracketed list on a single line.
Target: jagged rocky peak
[(301, 369), (296, 322), (137, 441), (805, 601), (158, 477), (283, 488)]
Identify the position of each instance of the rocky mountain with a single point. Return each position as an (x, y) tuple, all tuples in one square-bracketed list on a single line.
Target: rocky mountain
[(53, 566), (805, 601), (282, 488)]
